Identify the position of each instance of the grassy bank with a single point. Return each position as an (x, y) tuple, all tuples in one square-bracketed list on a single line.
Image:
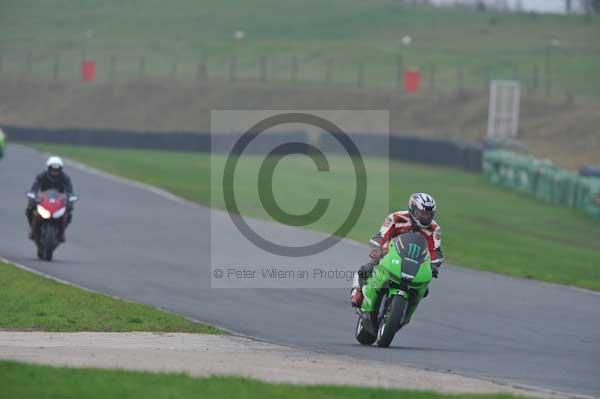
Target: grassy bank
[(348, 33), (19, 380), (32, 302), (484, 227)]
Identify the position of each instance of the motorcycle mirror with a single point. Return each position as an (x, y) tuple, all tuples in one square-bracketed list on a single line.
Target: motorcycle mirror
[(31, 195), (73, 198)]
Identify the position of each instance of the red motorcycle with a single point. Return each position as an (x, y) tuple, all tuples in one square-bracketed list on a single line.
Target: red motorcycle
[(49, 219)]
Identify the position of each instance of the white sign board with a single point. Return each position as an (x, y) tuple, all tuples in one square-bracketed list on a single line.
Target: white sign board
[(503, 116)]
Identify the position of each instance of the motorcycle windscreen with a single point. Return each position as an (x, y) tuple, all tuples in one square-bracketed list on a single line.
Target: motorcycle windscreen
[(50, 195), (412, 248)]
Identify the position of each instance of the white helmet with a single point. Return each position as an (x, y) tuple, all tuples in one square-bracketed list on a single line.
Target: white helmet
[(422, 209), (54, 162)]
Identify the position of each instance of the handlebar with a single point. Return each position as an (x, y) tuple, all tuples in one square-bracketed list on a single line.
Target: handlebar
[(34, 197)]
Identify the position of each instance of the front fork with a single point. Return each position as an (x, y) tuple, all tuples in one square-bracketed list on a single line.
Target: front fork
[(35, 223), (379, 281)]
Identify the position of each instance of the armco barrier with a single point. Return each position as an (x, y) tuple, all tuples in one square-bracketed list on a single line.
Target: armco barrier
[(176, 141), (590, 171), (543, 180), (457, 154)]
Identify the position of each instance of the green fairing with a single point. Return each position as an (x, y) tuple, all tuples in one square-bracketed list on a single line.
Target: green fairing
[(390, 267)]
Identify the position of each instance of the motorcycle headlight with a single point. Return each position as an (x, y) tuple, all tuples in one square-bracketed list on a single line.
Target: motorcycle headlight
[(59, 213), (43, 212)]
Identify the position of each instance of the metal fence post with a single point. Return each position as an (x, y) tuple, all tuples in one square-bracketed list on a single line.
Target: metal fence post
[(202, 70), (461, 80), (29, 63), (535, 84), (487, 77), (142, 67), (548, 80), (175, 67), (399, 71), (432, 72), (233, 69), (360, 76), (548, 85), (112, 71), (56, 66), (328, 72), (294, 70), (262, 69), (569, 98)]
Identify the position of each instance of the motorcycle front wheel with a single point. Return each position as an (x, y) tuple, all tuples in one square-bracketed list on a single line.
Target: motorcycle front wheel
[(49, 241), (392, 321)]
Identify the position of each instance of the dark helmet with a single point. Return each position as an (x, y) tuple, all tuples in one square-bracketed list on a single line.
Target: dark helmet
[(422, 209), (55, 165)]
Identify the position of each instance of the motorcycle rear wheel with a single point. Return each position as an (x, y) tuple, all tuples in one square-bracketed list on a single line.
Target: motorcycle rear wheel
[(362, 333)]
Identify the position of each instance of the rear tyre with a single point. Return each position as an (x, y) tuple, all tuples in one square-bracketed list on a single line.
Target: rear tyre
[(392, 321), (362, 333)]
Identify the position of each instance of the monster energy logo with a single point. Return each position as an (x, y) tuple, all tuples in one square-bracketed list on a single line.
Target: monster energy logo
[(413, 251)]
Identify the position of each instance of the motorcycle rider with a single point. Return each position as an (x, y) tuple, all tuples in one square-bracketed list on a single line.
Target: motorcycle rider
[(53, 178), (418, 218)]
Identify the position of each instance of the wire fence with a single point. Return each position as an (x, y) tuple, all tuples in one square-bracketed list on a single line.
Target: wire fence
[(310, 70)]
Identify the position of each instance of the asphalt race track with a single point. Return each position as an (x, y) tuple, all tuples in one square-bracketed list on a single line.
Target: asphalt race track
[(131, 242)]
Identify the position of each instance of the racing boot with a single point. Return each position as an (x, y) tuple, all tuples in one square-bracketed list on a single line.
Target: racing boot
[(356, 297)]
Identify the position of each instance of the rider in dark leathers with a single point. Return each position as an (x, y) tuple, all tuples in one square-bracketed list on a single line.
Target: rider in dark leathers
[(53, 178)]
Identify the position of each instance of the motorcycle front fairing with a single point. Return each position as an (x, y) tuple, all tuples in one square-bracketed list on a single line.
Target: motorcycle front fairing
[(404, 271), (51, 208)]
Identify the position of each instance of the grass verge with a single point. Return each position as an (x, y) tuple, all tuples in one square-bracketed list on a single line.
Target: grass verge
[(485, 227), (32, 302), (19, 380)]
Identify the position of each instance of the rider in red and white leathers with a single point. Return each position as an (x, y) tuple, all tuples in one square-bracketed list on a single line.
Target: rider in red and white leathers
[(418, 218)]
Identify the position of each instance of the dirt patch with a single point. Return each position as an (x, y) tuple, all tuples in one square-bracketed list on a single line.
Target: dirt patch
[(204, 355), (567, 133)]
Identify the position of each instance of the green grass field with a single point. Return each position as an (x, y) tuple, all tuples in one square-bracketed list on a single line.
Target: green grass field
[(32, 302), (24, 381), (175, 36), (484, 227)]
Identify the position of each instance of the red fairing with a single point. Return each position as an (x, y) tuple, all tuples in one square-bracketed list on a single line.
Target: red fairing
[(400, 222), (52, 204)]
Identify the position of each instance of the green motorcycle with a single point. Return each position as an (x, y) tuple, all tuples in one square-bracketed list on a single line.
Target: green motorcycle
[(393, 291)]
